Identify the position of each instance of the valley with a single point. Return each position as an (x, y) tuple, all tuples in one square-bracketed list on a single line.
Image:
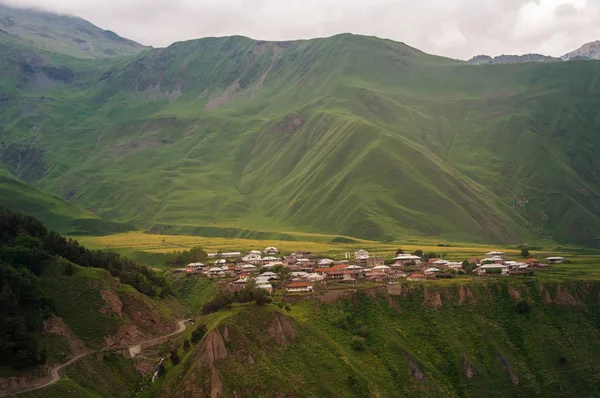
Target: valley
[(345, 216)]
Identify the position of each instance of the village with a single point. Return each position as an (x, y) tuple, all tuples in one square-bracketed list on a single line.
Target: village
[(303, 272)]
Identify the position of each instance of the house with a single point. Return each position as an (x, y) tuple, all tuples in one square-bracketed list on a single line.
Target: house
[(325, 262), (555, 260), (493, 268), (432, 271), (315, 278), (440, 262), (376, 276), (300, 254), (532, 261), (495, 254), (407, 259), (370, 261), (252, 258), (249, 268), (336, 275), (361, 254), (397, 274), (225, 255), (454, 265), (215, 272), (381, 268), (268, 260), (194, 267), (354, 270), (299, 287), (271, 251), (326, 270), (348, 279), (416, 277)]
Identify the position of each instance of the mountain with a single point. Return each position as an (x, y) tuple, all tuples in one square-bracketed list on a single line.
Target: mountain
[(63, 34), (587, 51), (348, 135), (53, 211), (511, 59)]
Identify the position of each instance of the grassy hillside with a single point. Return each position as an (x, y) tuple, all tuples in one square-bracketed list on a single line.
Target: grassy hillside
[(63, 34), (53, 211), (501, 338), (346, 135)]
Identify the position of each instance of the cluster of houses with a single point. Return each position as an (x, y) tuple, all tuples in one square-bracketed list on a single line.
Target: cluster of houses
[(307, 271)]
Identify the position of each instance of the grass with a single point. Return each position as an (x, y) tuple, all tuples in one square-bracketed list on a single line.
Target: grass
[(53, 211), (544, 347), (348, 136)]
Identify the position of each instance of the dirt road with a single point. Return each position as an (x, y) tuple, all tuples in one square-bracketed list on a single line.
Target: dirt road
[(54, 372)]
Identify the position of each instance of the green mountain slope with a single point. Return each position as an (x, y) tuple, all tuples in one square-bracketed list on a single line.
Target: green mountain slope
[(63, 34), (53, 211), (499, 339), (350, 135)]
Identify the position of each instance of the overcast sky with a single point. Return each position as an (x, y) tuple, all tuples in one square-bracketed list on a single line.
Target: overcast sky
[(454, 28)]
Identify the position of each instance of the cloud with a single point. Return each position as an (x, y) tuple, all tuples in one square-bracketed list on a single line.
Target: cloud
[(455, 28)]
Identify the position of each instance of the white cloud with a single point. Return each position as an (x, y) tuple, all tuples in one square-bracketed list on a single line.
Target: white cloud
[(456, 28)]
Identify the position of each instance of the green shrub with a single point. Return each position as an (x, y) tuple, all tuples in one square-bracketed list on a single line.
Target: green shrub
[(358, 343)]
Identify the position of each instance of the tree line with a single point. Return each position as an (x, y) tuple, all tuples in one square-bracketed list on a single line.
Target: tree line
[(26, 246)]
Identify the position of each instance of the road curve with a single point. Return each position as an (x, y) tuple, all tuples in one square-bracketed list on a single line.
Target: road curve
[(54, 372)]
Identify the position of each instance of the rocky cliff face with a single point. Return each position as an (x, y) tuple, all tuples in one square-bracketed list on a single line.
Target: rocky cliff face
[(511, 59), (587, 51)]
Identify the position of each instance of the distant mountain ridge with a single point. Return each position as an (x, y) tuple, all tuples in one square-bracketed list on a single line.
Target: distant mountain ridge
[(587, 51), (64, 34), (511, 59)]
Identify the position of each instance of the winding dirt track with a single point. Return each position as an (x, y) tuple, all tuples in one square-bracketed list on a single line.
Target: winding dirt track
[(54, 372)]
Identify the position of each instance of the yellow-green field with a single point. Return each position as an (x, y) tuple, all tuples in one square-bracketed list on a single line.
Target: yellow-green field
[(585, 263), (139, 241)]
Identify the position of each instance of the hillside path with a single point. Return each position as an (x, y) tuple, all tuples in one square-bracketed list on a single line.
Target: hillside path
[(54, 372)]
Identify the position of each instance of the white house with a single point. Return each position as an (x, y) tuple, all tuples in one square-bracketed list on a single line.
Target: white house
[(249, 268), (214, 272), (271, 251), (361, 254), (431, 271), (252, 258), (231, 254), (381, 268), (326, 261), (299, 287), (404, 259), (495, 254), (315, 277), (194, 267), (555, 260)]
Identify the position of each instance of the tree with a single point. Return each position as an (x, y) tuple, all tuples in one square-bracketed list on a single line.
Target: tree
[(69, 269), (358, 343), (198, 333), (284, 274), (186, 345), (467, 266), (287, 308), (175, 357), (524, 252), (161, 370), (418, 252), (399, 251)]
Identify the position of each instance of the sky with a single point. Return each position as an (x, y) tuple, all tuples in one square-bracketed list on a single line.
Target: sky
[(453, 28)]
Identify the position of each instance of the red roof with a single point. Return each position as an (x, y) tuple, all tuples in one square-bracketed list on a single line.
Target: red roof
[(299, 284), (532, 260), (337, 267), (416, 276)]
